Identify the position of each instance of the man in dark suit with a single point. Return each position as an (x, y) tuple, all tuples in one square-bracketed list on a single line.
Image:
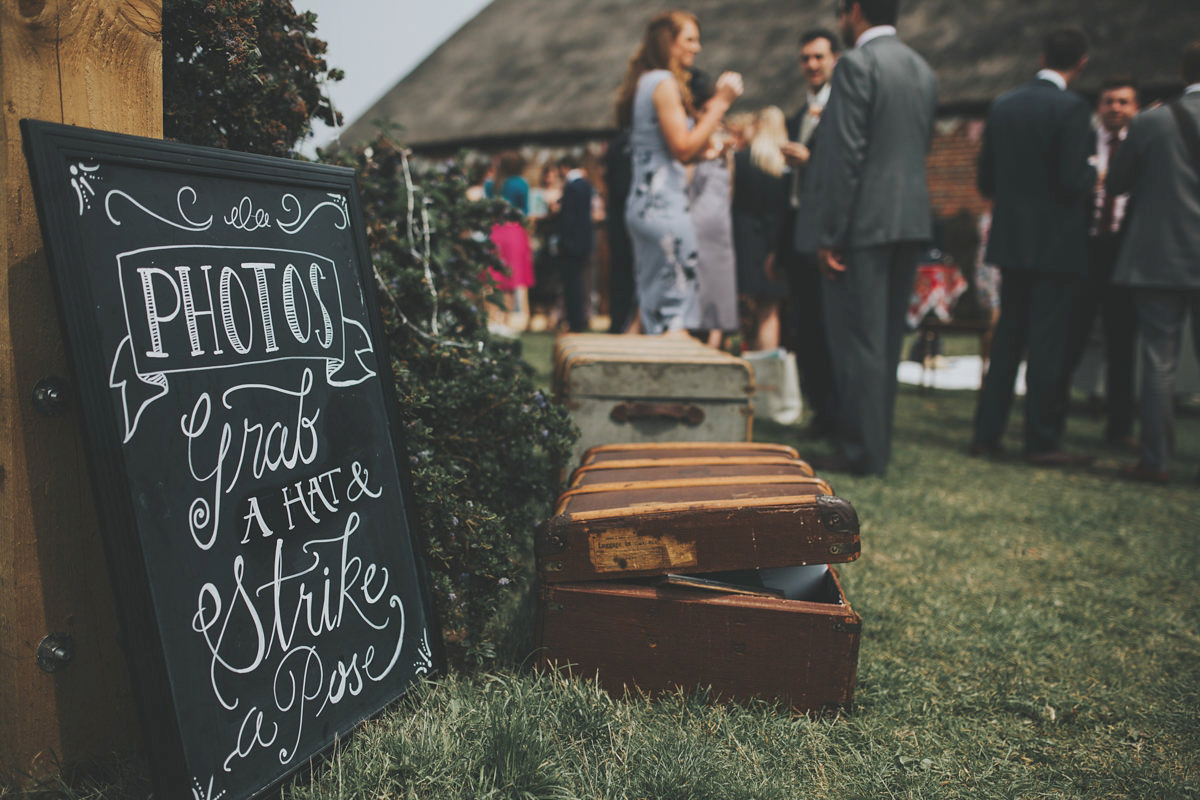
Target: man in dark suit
[(575, 240), (618, 174), (1159, 165), (873, 217), (1116, 108), (1033, 164), (819, 51)]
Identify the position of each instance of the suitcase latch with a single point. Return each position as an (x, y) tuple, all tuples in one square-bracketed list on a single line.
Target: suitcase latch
[(687, 413), (847, 627)]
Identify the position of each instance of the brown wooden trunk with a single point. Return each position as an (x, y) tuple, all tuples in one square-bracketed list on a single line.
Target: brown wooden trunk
[(711, 451), (639, 528), (625, 472), (701, 565), (659, 638)]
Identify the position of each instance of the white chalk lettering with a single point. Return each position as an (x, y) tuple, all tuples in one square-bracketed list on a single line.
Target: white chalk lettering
[(215, 300), (358, 484), (285, 618), (154, 318), (264, 305), (301, 333), (250, 736), (211, 453), (315, 276), (190, 313), (254, 517), (314, 493), (244, 216), (232, 334)]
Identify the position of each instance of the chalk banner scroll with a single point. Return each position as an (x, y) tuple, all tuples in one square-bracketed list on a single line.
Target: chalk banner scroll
[(240, 421)]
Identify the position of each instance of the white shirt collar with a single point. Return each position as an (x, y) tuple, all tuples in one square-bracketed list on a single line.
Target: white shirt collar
[(1054, 77), (1195, 87), (875, 33), (574, 174), (820, 98)]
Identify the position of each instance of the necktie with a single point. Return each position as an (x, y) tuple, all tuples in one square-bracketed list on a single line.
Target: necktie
[(808, 123), (1104, 224)]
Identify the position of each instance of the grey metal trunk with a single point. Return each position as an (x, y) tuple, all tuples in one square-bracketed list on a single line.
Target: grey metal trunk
[(630, 388)]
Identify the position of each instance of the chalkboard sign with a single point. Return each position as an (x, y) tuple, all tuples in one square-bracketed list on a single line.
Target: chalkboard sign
[(221, 319)]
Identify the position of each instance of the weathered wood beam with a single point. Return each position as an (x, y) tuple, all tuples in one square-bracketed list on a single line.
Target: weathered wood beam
[(94, 63)]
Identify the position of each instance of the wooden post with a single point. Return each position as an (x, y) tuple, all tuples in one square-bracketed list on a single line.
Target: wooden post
[(94, 63)]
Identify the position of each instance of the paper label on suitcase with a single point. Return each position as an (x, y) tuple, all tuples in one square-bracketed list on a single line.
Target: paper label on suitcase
[(624, 549)]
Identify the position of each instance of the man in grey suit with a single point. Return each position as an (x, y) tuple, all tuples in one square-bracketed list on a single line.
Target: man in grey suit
[(1160, 257), (1033, 164), (867, 183)]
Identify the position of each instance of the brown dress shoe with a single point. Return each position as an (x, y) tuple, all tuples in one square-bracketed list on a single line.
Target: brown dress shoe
[(1143, 473), (836, 463), (1059, 458), (986, 449), (1128, 443)]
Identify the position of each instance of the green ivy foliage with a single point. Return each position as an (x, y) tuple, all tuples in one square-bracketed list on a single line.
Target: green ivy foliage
[(486, 446), (243, 74)]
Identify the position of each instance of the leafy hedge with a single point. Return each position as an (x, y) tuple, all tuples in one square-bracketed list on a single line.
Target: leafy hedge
[(485, 445), (243, 74)]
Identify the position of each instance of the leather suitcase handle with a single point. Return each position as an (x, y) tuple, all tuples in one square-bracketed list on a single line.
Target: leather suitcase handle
[(686, 413)]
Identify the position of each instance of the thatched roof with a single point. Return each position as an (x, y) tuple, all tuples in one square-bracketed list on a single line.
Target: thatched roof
[(525, 70)]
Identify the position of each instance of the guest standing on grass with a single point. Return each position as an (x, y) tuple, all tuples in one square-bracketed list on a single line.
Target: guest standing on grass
[(710, 193), (868, 175), (760, 189), (1033, 164), (656, 103), (796, 251), (479, 175), (575, 241), (512, 243), (1159, 165), (1098, 295), (622, 297)]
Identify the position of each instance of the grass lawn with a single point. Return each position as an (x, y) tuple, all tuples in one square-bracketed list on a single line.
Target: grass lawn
[(1027, 633)]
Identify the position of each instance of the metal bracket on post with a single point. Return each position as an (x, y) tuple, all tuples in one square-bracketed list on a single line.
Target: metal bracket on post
[(55, 652), (50, 396)]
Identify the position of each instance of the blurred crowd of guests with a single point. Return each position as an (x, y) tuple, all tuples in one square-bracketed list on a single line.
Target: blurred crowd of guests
[(561, 212), (1091, 219), (807, 230)]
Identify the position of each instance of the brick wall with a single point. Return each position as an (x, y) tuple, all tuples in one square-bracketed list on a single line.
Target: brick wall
[(951, 167)]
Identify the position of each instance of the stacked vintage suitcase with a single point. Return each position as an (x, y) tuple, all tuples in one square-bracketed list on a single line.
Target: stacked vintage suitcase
[(651, 389), (696, 563)]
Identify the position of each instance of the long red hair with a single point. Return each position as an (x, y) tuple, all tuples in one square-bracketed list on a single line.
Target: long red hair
[(655, 53)]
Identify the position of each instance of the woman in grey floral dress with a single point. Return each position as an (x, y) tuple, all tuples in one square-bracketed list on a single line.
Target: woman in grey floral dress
[(656, 103)]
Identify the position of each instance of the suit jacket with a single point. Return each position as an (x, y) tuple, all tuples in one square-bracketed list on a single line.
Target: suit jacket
[(1097, 195), (866, 180), (575, 238), (793, 123), (789, 241), (1162, 232), (1034, 166)]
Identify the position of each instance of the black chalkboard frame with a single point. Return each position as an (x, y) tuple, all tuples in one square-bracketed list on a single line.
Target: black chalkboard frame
[(48, 147)]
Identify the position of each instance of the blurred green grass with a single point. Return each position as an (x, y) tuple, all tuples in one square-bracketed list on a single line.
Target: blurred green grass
[(1027, 633)]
